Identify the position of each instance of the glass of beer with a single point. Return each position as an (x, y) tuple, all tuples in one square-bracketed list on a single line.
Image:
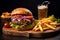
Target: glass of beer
[(42, 11)]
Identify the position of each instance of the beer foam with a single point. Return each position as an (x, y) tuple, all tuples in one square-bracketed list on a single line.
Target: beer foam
[(42, 7)]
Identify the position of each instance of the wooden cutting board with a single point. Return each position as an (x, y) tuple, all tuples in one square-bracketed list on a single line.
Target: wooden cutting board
[(30, 33)]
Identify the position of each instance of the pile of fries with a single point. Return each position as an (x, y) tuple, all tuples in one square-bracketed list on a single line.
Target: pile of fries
[(45, 24)]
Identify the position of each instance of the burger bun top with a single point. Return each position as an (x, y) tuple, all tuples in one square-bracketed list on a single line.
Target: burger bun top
[(21, 11)]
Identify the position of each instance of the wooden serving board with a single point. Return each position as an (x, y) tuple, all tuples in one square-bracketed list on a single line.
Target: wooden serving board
[(30, 33)]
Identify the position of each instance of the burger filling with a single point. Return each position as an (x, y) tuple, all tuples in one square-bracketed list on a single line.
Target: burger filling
[(21, 21)]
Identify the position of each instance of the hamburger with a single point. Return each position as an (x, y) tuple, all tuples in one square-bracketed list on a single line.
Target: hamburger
[(22, 19)]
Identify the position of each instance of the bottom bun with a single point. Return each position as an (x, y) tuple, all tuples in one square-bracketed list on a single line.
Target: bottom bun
[(30, 27)]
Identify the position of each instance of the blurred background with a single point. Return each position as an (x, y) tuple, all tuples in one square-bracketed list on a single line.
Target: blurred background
[(9, 5)]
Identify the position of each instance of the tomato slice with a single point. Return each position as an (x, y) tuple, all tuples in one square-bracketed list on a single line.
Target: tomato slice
[(18, 16), (29, 16)]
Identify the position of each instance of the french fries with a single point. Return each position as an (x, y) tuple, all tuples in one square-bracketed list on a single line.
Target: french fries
[(41, 29), (45, 24), (49, 26), (6, 15), (46, 28)]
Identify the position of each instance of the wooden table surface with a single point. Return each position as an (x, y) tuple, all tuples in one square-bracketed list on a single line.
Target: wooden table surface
[(57, 37)]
